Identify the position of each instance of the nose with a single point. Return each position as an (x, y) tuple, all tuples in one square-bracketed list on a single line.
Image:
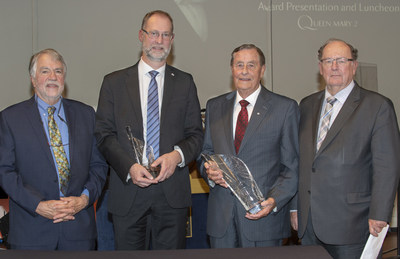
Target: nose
[(334, 65), (245, 69), (160, 38), (53, 76)]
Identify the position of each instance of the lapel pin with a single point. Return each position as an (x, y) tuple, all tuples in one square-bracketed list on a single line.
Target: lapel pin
[(258, 113), (172, 74)]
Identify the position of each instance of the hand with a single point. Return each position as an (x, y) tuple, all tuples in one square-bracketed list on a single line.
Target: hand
[(376, 226), (57, 210), (215, 174), (140, 176), (267, 205), (168, 163), (76, 203), (294, 220)]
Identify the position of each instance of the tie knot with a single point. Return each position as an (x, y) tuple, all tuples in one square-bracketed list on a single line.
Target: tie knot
[(153, 73), (51, 110), (244, 103), (331, 100)]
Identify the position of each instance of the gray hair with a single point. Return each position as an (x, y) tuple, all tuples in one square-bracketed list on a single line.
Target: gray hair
[(53, 53)]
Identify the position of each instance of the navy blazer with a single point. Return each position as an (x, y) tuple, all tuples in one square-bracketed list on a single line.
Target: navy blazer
[(28, 173)]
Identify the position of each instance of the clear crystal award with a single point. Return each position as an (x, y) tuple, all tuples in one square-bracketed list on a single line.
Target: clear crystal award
[(239, 180), (139, 149)]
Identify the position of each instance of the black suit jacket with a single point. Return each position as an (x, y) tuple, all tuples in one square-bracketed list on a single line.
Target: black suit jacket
[(28, 173), (354, 175), (119, 106)]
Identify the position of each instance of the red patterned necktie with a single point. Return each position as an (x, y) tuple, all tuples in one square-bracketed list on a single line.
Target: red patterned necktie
[(241, 124)]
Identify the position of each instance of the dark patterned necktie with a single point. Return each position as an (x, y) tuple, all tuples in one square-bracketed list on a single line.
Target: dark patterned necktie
[(58, 150), (153, 118), (241, 124)]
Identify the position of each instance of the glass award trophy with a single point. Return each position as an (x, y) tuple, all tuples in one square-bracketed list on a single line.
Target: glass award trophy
[(239, 180), (139, 149)]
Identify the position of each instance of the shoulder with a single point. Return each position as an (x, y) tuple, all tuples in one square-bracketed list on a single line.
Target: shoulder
[(77, 106), (311, 98), (221, 98), (177, 72), (121, 73), (18, 107), (373, 96), (276, 98)]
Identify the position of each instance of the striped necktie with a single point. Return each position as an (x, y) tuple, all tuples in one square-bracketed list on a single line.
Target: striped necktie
[(58, 150), (153, 118), (326, 118)]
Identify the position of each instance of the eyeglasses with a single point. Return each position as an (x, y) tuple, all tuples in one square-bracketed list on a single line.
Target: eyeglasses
[(155, 34), (339, 61)]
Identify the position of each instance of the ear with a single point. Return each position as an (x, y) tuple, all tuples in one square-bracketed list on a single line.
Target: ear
[(33, 82), (320, 68), (263, 70), (355, 65), (141, 35)]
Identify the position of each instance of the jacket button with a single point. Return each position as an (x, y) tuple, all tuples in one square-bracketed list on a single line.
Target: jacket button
[(309, 192), (313, 170)]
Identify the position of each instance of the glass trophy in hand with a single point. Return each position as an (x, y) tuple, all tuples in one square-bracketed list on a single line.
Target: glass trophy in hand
[(139, 149), (239, 180)]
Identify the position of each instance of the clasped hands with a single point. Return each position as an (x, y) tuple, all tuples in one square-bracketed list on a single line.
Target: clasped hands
[(215, 174), (63, 209), (168, 162)]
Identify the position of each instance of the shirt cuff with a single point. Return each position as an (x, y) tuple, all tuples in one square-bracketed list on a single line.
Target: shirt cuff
[(86, 192), (177, 148)]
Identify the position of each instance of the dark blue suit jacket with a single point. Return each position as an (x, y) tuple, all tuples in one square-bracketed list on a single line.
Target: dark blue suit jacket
[(28, 173)]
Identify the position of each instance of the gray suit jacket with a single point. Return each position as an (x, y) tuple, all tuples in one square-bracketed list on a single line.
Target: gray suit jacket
[(269, 149), (354, 175), (119, 106)]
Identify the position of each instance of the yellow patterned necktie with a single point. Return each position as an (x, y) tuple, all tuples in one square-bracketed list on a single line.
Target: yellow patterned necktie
[(58, 150)]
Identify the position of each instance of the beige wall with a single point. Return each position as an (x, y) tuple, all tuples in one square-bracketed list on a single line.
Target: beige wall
[(99, 36)]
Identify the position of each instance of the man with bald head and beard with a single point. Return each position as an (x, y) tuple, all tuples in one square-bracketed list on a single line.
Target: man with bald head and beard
[(349, 166), (160, 105)]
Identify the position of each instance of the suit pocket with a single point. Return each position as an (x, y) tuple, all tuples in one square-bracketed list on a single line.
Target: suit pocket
[(358, 197)]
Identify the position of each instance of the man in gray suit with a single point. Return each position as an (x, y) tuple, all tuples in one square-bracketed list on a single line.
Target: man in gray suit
[(168, 119), (269, 148), (348, 175)]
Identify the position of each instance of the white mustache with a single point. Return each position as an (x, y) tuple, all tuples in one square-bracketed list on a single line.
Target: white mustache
[(50, 82)]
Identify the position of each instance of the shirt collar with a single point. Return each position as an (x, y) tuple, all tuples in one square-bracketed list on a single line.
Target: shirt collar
[(146, 68), (43, 106), (342, 95), (251, 98)]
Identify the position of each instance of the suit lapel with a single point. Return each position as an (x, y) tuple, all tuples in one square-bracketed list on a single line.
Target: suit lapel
[(38, 129), (227, 120), (71, 124), (316, 113), (132, 87), (169, 91), (260, 111), (353, 100)]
